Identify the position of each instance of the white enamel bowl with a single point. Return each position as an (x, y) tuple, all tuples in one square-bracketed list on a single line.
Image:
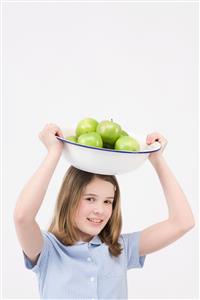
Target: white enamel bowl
[(106, 161)]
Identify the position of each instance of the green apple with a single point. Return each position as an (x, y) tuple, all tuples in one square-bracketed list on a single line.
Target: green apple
[(109, 131), (91, 139), (71, 138), (85, 126), (123, 133), (127, 143)]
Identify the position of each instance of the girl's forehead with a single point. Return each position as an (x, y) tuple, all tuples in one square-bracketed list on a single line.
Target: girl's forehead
[(99, 185)]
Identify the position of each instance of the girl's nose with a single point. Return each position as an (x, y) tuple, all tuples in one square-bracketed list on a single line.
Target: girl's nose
[(98, 209)]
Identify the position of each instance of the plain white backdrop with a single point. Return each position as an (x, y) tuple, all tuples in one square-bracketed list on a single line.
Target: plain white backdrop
[(133, 62)]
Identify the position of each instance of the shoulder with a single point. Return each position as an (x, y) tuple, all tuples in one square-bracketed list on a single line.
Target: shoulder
[(49, 236), (51, 239), (131, 249), (130, 239)]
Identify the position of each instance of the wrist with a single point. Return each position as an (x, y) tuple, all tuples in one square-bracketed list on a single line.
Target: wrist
[(54, 152), (156, 160)]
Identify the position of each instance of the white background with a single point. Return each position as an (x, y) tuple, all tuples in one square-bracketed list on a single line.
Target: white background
[(133, 62)]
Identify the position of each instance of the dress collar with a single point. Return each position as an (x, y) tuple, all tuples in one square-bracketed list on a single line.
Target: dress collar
[(94, 241)]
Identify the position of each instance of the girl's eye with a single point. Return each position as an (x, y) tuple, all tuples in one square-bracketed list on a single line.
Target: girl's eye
[(90, 199), (108, 202)]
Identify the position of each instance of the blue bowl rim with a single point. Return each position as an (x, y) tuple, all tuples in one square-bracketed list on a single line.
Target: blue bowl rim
[(108, 150)]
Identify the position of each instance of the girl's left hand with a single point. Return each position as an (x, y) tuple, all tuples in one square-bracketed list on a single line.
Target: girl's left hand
[(156, 137)]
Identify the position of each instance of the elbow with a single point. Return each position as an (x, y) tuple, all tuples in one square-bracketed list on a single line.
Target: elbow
[(187, 226), (19, 217), (192, 225)]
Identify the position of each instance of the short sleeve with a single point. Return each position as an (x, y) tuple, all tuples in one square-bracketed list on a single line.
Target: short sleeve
[(131, 248), (43, 257)]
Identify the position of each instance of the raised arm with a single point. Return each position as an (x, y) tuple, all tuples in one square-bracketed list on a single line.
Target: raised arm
[(32, 195), (180, 218)]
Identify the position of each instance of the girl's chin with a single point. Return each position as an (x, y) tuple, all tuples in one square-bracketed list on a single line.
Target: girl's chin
[(87, 234), (92, 232), (86, 237)]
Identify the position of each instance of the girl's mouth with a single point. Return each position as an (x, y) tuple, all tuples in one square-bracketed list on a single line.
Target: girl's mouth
[(95, 221)]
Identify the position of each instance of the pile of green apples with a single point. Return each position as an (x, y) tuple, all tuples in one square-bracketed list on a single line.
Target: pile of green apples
[(105, 134)]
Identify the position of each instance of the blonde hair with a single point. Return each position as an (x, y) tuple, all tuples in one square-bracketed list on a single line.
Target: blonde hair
[(63, 223)]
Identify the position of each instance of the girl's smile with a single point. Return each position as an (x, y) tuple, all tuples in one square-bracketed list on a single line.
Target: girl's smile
[(95, 221)]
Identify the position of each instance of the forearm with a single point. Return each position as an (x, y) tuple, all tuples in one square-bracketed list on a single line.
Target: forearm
[(178, 207), (32, 195)]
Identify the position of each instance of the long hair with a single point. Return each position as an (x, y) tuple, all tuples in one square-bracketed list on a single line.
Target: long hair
[(63, 223)]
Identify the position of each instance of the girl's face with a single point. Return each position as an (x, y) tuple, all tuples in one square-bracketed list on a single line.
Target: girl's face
[(95, 208)]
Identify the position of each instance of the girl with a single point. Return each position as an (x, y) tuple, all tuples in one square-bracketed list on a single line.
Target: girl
[(83, 255)]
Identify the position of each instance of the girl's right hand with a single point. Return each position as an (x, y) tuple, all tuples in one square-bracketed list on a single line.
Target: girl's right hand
[(48, 137)]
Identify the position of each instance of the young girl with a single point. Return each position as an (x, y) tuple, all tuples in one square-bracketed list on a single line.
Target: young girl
[(83, 255)]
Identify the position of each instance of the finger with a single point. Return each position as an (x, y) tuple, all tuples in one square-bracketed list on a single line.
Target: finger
[(153, 137), (59, 133), (56, 130), (52, 126)]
